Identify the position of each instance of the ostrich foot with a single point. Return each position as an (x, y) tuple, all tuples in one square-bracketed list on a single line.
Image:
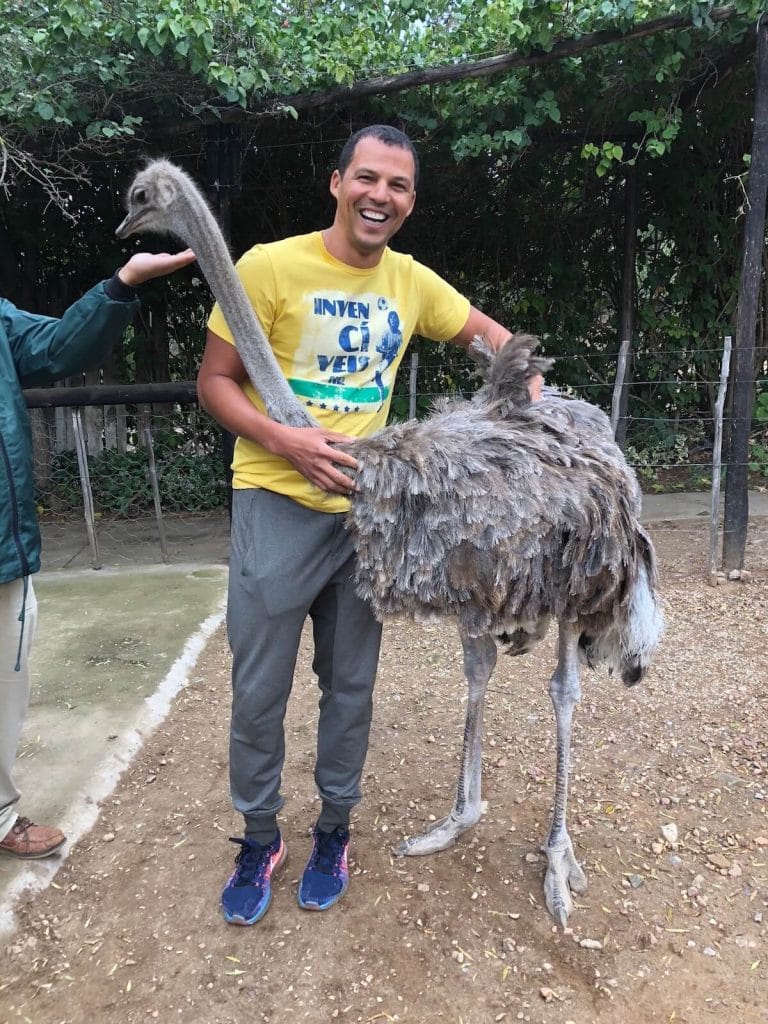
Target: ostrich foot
[(564, 876), (439, 836)]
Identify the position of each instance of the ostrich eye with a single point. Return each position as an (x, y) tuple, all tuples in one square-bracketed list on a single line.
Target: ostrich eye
[(140, 195)]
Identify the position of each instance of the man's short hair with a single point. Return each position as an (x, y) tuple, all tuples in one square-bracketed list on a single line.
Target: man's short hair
[(384, 133)]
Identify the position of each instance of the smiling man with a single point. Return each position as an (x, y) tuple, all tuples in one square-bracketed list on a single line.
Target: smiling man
[(339, 307)]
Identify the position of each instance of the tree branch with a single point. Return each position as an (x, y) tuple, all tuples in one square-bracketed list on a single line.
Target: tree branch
[(385, 84), (490, 65)]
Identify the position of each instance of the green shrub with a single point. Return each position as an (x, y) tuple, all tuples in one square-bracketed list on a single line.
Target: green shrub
[(663, 452), (758, 457), (121, 484)]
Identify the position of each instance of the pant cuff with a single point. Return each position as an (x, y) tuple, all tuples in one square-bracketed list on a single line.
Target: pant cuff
[(262, 829), (333, 816)]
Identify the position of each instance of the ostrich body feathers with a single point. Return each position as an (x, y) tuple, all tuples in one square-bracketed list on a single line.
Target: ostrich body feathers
[(501, 511)]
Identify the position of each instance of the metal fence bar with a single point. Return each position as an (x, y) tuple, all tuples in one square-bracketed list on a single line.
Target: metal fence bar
[(85, 485), (156, 493)]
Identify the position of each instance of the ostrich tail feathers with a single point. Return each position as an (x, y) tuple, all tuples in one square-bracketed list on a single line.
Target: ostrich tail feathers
[(507, 371), (642, 632), (627, 643)]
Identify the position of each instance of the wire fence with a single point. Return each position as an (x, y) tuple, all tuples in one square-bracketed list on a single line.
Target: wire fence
[(167, 462), (672, 447), (120, 477)]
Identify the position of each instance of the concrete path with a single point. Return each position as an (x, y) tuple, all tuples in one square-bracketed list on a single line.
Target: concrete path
[(695, 505), (115, 645)]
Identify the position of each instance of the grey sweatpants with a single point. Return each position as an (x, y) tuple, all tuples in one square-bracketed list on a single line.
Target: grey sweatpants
[(288, 562)]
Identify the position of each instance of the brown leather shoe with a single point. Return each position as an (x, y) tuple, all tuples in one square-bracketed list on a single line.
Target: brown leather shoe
[(29, 841)]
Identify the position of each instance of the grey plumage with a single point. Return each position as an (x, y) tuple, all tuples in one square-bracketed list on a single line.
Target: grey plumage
[(500, 512), (497, 510), (164, 199)]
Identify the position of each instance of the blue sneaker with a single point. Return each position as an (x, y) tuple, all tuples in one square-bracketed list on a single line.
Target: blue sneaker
[(248, 893), (326, 875)]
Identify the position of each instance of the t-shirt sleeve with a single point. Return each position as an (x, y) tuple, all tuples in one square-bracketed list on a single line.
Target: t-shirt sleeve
[(443, 311), (257, 276)]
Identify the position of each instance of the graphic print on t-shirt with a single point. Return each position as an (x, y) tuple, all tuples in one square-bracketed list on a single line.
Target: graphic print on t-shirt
[(348, 353)]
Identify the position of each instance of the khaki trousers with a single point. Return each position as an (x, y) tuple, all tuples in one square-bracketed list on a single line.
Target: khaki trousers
[(14, 687)]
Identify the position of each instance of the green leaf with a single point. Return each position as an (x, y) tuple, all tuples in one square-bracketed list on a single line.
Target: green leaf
[(45, 110)]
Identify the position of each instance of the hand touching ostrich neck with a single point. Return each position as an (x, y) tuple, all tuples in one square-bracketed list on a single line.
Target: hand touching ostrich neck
[(165, 200)]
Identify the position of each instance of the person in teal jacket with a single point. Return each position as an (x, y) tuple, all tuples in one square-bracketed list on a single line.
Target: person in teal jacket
[(35, 351)]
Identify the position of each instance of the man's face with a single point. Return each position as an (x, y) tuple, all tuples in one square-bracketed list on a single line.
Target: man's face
[(373, 198)]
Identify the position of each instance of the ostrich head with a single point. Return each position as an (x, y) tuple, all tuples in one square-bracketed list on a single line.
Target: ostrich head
[(154, 199), (165, 200)]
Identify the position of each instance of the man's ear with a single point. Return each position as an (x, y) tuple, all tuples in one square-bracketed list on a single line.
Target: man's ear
[(335, 183)]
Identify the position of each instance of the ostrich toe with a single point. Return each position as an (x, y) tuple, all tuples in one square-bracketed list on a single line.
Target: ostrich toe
[(440, 836), (564, 876)]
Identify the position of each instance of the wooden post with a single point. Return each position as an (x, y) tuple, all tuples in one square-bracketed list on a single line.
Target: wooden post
[(627, 314), (156, 492), (736, 516), (717, 460), (413, 384), (621, 369), (223, 152)]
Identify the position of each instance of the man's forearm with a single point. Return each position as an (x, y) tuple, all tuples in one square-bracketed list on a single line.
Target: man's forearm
[(310, 450), (225, 400)]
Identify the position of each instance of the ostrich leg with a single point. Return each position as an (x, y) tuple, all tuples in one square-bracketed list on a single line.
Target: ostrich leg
[(479, 662), (564, 875)]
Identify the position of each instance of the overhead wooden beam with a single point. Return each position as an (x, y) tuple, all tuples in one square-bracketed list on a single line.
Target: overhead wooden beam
[(386, 84)]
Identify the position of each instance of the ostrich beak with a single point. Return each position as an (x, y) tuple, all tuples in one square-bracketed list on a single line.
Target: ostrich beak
[(129, 225)]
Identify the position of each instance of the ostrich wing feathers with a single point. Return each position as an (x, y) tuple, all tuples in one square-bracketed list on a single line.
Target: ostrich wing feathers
[(495, 511)]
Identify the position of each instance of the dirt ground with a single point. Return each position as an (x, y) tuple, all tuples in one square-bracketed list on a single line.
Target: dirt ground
[(669, 930)]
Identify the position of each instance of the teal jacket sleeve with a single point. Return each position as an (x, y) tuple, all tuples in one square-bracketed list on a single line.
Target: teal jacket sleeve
[(45, 349)]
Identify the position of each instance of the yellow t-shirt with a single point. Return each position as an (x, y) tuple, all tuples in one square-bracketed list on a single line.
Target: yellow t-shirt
[(339, 334)]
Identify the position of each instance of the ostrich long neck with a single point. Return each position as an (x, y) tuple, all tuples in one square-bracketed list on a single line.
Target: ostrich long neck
[(194, 223)]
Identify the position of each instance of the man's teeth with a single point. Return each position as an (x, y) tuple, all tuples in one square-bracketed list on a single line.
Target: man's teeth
[(373, 215)]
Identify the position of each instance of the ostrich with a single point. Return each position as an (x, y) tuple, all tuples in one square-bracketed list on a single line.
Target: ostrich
[(497, 511)]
